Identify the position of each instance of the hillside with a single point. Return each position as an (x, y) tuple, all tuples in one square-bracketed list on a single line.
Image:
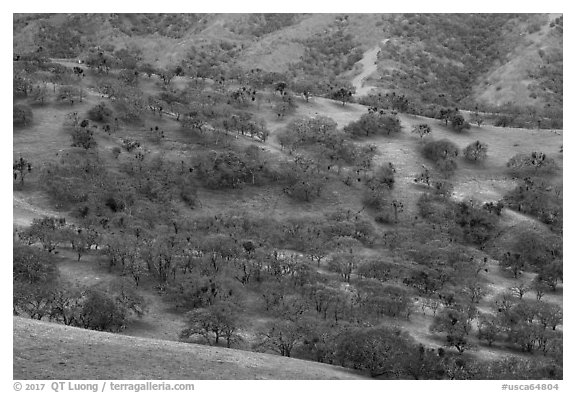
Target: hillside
[(49, 351), (165, 189), (531, 74), (502, 63)]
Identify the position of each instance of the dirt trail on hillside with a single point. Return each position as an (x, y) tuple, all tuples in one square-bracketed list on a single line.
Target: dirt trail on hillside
[(369, 66)]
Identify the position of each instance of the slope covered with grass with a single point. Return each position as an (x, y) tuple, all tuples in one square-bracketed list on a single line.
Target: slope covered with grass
[(50, 351)]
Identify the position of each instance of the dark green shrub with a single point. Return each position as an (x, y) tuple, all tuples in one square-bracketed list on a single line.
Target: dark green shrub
[(534, 164), (476, 151), (440, 150), (84, 138), (100, 113), (374, 124), (101, 311), (32, 265), (443, 154), (22, 115)]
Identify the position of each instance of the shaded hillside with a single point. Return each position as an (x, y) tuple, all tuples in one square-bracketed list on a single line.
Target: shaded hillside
[(499, 62), (51, 351), (530, 74), (438, 57)]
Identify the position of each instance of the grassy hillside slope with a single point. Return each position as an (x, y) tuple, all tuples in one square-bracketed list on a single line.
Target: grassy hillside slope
[(49, 351)]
